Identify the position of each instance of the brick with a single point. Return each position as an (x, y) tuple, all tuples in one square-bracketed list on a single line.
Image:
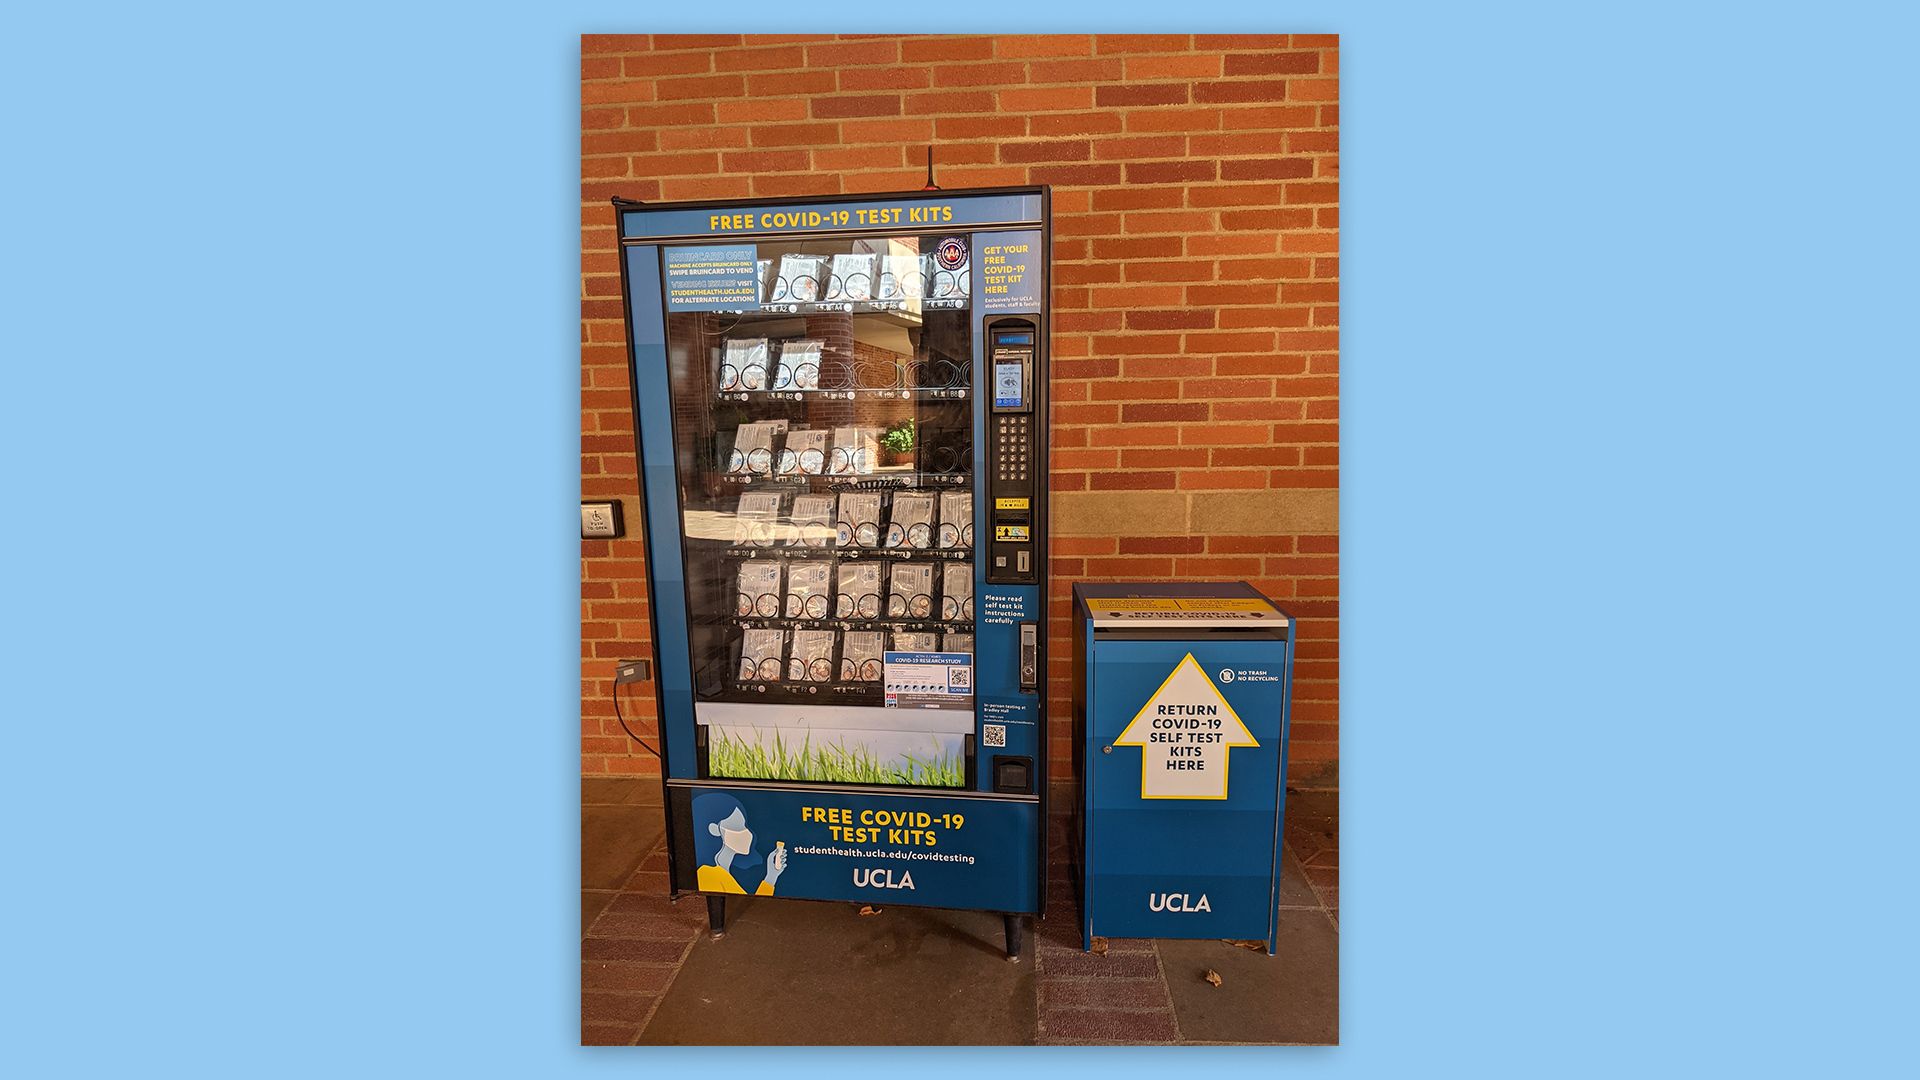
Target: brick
[(1046, 99), (761, 110), (655, 64), (1043, 45), (791, 56), (1134, 389), (893, 131), (1240, 41), (1050, 150), (1142, 43), (591, 44), (694, 41), (1147, 146), (1125, 95), (791, 83), (1140, 198), (1170, 319), (1076, 174), (1312, 193), (618, 142), (982, 127), (613, 93), (979, 74), (1169, 119), (1161, 412), (1272, 63), (765, 161), (839, 107), (724, 187), (1189, 66), (1074, 71), (1187, 222), (854, 158), (945, 48), (888, 78), (1232, 244), (1137, 247), (1131, 480), (641, 116), (1242, 194), (852, 54), (794, 135), (1181, 270), (779, 185), (701, 86), (1266, 169), (674, 164), (706, 138), (949, 101), (1076, 123), (1169, 172)]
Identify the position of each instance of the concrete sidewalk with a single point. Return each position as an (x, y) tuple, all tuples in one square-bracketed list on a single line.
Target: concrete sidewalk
[(813, 973)]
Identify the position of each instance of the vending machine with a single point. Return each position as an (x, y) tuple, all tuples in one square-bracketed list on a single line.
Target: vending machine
[(840, 410)]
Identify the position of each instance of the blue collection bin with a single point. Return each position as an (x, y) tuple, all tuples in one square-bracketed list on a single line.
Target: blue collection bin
[(1181, 696)]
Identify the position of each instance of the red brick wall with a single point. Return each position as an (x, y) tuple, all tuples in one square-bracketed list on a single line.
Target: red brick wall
[(1195, 297)]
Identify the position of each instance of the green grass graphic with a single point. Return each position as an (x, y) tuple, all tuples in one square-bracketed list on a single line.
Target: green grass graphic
[(744, 760)]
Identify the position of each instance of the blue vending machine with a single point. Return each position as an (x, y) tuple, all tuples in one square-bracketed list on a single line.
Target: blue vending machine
[(1181, 695), (840, 410)]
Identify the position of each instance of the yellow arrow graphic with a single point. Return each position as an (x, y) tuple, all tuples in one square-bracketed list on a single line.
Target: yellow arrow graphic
[(1185, 732)]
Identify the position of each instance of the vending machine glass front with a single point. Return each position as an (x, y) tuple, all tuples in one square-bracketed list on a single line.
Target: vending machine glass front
[(824, 440)]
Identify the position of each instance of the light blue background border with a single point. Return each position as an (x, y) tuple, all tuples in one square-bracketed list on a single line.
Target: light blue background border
[(288, 416)]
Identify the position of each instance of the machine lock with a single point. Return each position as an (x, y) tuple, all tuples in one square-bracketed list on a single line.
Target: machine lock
[(1029, 656)]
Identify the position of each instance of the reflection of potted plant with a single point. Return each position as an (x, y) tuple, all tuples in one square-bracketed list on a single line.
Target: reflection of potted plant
[(896, 446)]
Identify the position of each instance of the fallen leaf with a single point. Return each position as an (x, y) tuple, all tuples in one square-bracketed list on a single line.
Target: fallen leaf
[(1213, 977), (1256, 946), (1099, 946), (869, 909)]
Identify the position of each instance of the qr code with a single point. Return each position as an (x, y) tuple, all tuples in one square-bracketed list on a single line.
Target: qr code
[(996, 734), (960, 678)]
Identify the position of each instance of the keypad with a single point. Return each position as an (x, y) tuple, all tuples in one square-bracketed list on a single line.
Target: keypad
[(1013, 447)]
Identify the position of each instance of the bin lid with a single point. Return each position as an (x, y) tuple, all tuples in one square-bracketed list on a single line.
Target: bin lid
[(1190, 604)]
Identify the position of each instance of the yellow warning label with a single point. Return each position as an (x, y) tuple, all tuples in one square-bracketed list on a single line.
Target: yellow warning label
[(1222, 603), (1185, 733), (1097, 606), (1010, 532), (1190, 610), (1009, 504)]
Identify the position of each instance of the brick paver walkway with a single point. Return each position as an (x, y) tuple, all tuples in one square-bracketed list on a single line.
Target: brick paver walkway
[(632, 949)]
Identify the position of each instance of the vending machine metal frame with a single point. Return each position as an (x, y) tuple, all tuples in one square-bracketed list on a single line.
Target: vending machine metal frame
[(986, 842)]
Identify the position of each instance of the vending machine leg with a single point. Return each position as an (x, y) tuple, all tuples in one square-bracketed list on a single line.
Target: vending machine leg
[(717, 915), (1013, 937)]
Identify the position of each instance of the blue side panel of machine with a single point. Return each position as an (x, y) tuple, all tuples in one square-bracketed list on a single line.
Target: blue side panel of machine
[(1169, 853), (998, 699), (998, 609), (665, 565)]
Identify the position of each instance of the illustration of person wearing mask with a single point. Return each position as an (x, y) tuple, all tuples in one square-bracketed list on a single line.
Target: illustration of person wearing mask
[(724, 847)]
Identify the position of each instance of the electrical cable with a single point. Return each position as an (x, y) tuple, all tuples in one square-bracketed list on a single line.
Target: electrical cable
[(628, 730)]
